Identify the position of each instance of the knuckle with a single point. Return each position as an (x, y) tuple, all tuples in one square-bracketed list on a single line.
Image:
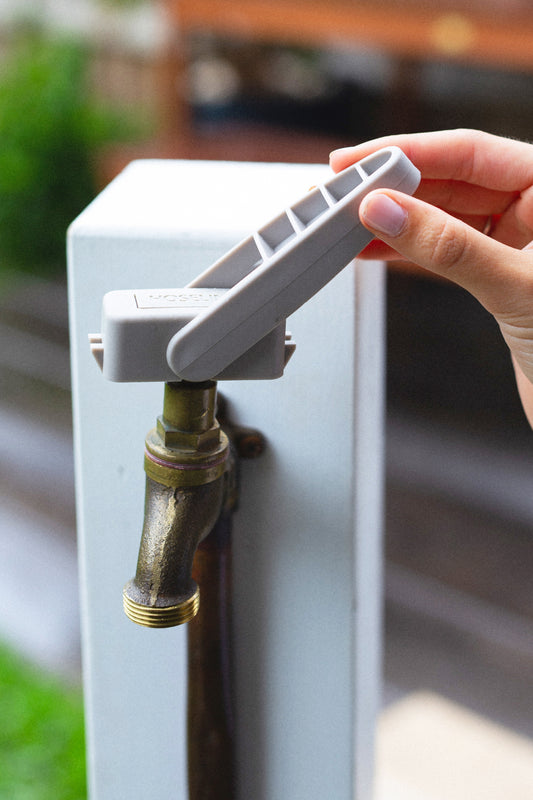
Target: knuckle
[(449, 246)]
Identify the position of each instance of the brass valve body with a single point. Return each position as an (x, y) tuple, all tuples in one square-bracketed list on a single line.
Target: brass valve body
[(185, 461)]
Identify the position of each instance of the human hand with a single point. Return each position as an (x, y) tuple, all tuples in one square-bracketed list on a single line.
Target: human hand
[(471, 220)]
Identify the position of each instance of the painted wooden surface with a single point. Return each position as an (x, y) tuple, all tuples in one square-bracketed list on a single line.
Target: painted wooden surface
[(307, 546)]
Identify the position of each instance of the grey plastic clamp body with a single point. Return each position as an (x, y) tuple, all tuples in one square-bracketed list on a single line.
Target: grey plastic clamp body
[(230, 321)]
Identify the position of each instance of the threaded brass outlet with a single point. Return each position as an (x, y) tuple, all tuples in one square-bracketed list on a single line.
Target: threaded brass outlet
[(166, 617)]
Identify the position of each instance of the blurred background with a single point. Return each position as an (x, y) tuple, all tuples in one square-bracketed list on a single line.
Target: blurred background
[(86, 86)]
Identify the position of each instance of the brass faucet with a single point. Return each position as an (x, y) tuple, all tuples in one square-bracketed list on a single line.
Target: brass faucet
[(185, 463)]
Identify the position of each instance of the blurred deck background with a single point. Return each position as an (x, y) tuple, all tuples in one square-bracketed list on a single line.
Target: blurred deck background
[(459, 523)]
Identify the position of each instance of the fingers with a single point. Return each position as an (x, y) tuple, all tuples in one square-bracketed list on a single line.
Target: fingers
[(459, 197), (486, 183), (496, 274), (515, 225), (461, 155), (485, 180)]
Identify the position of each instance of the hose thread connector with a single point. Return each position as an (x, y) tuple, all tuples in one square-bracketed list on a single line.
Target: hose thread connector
[(165, 617)]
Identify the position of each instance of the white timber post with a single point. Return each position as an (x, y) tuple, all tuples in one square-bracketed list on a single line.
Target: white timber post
[(307, 535)]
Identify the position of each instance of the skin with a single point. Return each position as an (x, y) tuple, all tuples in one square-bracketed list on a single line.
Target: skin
[(471, 221)]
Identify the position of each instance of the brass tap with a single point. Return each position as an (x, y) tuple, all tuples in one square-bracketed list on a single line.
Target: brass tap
[(185, 462)]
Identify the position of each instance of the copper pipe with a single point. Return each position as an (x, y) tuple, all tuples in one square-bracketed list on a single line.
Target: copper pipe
[(210, 711), (211, 725)]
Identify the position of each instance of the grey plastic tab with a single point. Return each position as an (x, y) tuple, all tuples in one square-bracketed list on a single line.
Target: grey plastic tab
[(277, 269)]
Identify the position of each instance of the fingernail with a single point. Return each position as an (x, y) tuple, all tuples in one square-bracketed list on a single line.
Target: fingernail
[(383, 214)]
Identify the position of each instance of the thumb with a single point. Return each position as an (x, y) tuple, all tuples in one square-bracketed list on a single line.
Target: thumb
[(491, 271)]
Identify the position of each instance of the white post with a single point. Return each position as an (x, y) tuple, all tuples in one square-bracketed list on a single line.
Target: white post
[(307, 537)]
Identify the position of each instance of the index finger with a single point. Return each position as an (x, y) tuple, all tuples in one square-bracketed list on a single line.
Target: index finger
[(474, 157)]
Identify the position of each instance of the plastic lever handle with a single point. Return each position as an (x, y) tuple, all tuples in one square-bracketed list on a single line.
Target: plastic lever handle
[(272, 273)]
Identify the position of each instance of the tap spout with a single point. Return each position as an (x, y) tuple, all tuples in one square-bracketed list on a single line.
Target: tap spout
[(185, 462)]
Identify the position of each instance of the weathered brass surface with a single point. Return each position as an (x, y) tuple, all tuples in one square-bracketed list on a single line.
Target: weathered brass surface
[(175, 521), (195, 440), (190, 407), (185, 462)]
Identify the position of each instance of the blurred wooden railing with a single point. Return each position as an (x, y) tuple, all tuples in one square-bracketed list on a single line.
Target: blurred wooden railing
[(493, 33)]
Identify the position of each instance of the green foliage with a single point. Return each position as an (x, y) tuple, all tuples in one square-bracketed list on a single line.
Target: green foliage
[(49, 134), (41, 736)]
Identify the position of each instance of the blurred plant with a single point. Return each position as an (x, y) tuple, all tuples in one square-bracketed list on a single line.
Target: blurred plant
[(50, 132), (42, 752)]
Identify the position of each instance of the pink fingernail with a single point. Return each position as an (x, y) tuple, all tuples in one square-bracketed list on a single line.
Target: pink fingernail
[(383, 214)]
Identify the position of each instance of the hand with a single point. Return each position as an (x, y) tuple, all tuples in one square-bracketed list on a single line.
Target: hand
[(471, 221)]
